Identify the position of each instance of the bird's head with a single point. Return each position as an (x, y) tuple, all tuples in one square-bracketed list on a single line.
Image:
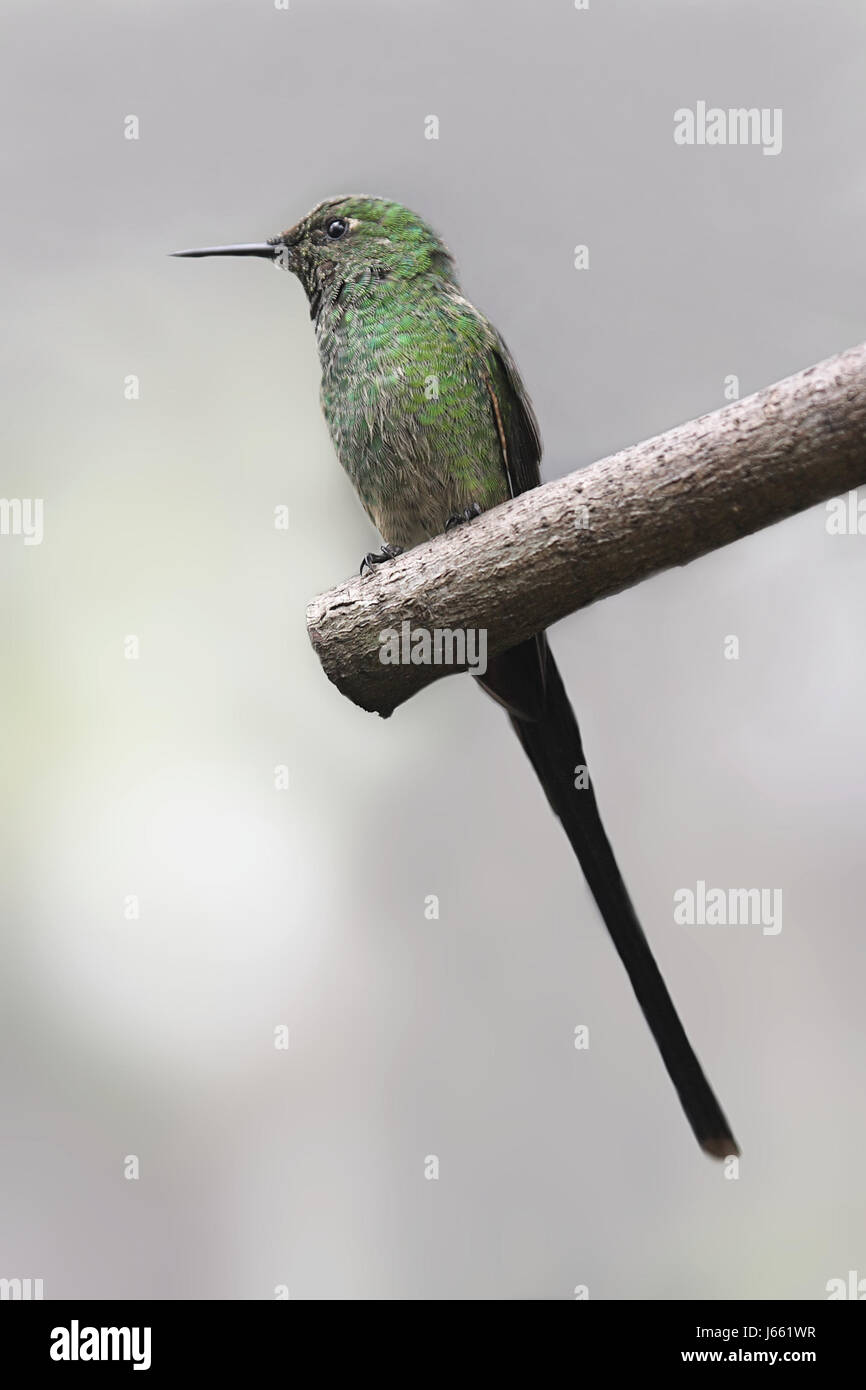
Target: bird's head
[(353, 239)]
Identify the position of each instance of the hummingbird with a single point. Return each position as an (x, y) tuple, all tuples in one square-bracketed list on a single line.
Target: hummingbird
[(432, 423)]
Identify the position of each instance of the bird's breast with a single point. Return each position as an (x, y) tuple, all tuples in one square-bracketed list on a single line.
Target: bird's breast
[(410, 417)]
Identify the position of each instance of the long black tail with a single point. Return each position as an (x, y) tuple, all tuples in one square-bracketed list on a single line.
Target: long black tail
[(526, 680)]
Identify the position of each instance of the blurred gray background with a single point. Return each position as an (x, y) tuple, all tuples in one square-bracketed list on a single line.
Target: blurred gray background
[(305, 907)]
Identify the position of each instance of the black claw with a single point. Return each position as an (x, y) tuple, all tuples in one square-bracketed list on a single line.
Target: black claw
[(468, 514), (388, 552)]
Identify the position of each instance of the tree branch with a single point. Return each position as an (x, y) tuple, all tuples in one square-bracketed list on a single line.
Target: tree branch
[(524, 565)]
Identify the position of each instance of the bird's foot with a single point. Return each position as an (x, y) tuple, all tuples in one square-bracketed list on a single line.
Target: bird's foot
[(468, 514), (388, 552)]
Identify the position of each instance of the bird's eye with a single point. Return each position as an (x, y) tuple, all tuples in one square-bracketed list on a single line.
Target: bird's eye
[(336, 228)]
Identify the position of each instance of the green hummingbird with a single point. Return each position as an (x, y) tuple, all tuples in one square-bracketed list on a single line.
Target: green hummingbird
[(431, 421)]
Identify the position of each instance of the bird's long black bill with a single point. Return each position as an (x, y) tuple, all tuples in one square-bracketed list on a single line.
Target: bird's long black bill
[(251, 248), (551, 740)]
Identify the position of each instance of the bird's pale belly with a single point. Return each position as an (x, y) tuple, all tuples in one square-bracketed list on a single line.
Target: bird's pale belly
[(414, 468), (421, 503)]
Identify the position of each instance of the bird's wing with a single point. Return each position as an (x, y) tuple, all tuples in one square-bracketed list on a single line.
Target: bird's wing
[(515, 420), (517, 677)]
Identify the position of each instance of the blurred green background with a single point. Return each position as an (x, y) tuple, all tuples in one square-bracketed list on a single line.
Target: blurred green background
[(305, 907)]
